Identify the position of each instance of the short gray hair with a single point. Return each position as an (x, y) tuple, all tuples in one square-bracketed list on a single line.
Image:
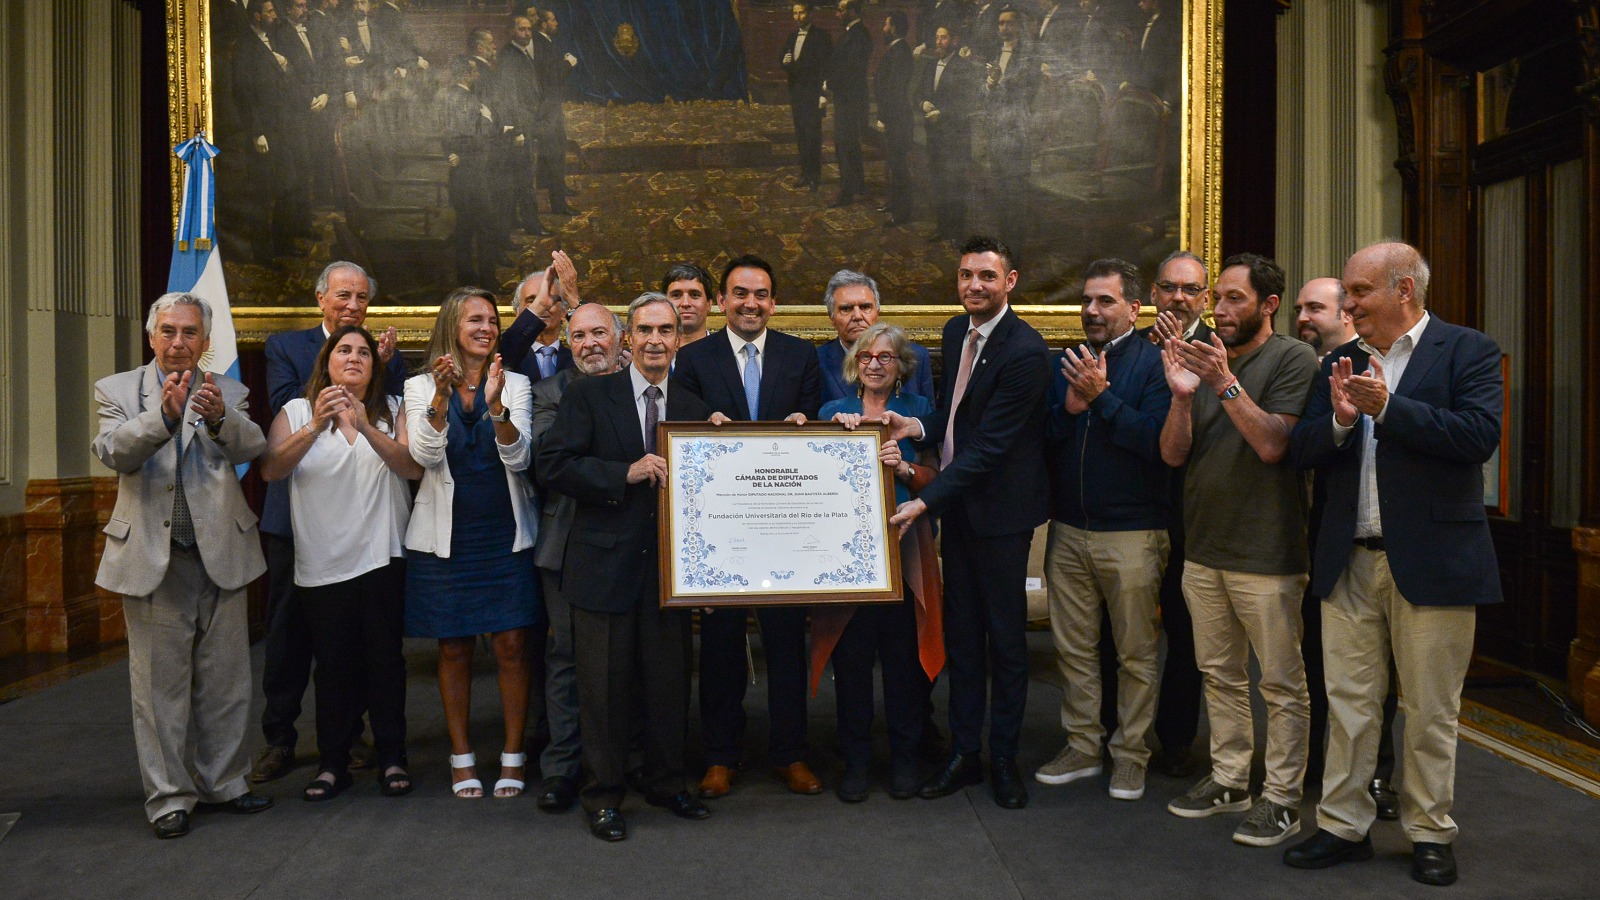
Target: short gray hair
[(178, 298), (846, 278), (566, 326), (322, 280), (538, 273), (649, 297), (1183, 254)]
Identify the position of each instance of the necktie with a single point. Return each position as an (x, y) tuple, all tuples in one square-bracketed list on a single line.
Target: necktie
[(182, 521), (969, 354), (652, 415), (752, 381), (547, 361)]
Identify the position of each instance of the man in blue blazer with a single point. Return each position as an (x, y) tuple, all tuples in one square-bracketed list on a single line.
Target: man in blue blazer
[(343, 291), (1398, 428), (749, 372), (531, 344), (989, 497), (852, 300)]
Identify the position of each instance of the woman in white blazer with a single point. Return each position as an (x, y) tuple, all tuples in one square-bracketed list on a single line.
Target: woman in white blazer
[(470, 540)]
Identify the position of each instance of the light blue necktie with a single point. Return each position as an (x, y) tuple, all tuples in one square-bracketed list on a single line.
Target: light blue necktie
[(547, 361), (752, 381)]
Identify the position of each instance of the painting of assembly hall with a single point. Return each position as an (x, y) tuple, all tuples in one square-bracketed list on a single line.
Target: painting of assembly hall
[(460, 141)]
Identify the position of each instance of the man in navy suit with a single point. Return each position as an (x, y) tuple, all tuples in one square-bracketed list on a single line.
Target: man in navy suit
[(852, 300), (343, 291), (531, 344), (847, 81), (1398, 427), (989, 426), (749, 373)]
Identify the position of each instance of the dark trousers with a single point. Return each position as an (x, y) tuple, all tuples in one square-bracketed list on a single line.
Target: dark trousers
[(618, 654), (562, 756), (552, 169), (1013, 171), (849, 121), (723, 682), (287, 649), (886, 634), (897, 149), (1316, 685), (808, 138), (985, 634), (1178, 709), (356, 628)]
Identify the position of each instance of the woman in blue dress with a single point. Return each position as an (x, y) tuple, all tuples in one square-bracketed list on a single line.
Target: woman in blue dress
[(906, 638), (470, 540)]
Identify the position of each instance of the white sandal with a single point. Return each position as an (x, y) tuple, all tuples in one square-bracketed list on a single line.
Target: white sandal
[(514, 785), (465, 761)]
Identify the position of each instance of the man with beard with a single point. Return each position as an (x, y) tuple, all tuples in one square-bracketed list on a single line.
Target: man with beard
[(948, 93), (688, 286), (805, 61), (595, 336), (1320, 317), (1108, 528), (1235, 401)]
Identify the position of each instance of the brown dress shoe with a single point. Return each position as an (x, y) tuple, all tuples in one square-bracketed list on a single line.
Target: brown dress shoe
[(717, 783), (799, 778)]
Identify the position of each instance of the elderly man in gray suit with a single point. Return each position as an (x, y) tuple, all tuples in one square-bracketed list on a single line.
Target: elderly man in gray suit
[(180, 547)]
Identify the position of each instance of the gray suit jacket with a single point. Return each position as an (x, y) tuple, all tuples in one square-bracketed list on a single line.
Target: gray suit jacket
[(134, 442), (555, 520)]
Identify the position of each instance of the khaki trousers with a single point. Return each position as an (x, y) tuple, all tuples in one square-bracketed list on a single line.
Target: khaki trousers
[(1235, 613), (1120, 570), (1364, 620), (189, 674)]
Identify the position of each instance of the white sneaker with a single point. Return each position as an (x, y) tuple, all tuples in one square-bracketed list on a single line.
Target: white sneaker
[(1069, 766), (1127, 780)]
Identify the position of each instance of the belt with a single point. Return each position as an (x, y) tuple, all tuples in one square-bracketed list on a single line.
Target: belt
[(1374, 544)]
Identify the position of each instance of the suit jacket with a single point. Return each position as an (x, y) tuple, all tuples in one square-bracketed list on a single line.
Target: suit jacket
[(807, 72), (263, 90), (586, 454), (984, 35), (518, 340), (790, 381), (554, 72), (518, 74), (847, 68), (1442, 424), (1156, 68), (998, 476), (134, 442), (892, 88), (955, 99), (555, 516), (1009, 105), (291, 355), (830, 359)]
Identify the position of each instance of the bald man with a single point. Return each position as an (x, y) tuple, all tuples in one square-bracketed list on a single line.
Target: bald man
[(1320, 318)]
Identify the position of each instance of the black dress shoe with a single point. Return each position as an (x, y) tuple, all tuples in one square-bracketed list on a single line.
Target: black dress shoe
[(1388, 801), (1325, 849), (1006, 783), (557, 794), (1433, 864), (246, 804), (903, 779), (962, 770), (854, 784), (684, 805), (607, 824), (172, 825)]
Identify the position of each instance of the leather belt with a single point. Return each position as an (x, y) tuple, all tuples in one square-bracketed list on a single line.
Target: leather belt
[(1374, 544)]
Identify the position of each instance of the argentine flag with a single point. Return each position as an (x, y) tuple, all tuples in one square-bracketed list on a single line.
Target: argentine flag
[(196, 261)]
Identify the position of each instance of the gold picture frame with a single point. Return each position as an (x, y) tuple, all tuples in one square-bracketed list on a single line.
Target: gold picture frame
[(190, 74)]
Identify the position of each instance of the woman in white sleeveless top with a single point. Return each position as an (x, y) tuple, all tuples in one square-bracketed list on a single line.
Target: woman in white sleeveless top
[(343, 449)]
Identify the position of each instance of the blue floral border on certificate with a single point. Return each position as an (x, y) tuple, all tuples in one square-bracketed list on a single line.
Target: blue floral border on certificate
[(859, 458), (694, 472)]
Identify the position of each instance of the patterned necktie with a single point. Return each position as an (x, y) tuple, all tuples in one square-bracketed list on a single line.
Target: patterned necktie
[(547, 361), (969, 354), (752, 382), (182, 521), (652, 415)]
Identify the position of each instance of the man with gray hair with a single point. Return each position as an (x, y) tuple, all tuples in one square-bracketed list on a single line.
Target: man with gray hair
[(852, 301), (181, 546), (531, 344), (343, 292)]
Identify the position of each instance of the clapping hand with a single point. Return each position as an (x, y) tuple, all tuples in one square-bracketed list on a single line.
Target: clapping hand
[(208, 401), (332, 401), (1168, 325), (1367, 392), (386, 344), (1086, 376), (175, 395), (567, 274), (1208, 361), (494, 382), (445, 374), (1182, 381), (354, 413)]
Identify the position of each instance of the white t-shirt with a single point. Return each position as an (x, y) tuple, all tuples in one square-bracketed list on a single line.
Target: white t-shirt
[(349, 509)]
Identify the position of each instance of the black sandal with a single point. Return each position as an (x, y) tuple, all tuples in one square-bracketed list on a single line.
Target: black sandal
[(395, 784), (321, 789)]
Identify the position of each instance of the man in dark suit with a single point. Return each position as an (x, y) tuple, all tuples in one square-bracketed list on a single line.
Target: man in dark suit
[(949, 91), (1008, 88), (314, 103), (534, 337), (519, 80), (890, 88), (264, 94), (752, 373), (847, 81), (475, 139), (601, 452), (805, 62), (1157, 52), (343, 291), (595, 335), (983, 36), (852, 301), (1400, 425), (989, 426), (555, 70)]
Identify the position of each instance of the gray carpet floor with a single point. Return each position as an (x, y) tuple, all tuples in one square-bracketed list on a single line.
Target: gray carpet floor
[(67, 766)]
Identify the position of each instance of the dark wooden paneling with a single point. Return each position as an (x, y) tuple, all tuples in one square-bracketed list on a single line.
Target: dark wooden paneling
[(1249, 127)]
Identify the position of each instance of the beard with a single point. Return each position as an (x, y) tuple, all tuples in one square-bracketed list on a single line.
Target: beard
[(1249, 326), (596, 363)]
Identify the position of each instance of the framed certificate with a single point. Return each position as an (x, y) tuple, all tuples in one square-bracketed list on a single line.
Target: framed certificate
[(771, 513)]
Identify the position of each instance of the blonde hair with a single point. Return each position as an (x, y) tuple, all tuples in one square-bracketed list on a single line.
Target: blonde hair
[(447, 326)]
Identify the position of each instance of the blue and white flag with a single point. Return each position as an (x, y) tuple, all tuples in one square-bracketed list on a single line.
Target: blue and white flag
[(196, 261)]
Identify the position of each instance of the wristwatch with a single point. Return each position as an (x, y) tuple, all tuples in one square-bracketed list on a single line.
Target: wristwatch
[(505, 414)]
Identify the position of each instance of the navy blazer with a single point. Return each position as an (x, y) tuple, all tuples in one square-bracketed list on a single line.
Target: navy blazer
[(998, 474), (1442, 424), (516, 345), (612, 548), (290, 357), (830, 359), (790, 382)]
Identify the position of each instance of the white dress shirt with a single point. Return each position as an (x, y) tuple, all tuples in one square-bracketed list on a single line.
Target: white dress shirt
[(799, 41), (1369, 520), (738, 349), (984, 331)]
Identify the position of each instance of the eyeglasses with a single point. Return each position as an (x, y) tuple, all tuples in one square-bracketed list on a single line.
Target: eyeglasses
[(882, 359), (1189, 290)]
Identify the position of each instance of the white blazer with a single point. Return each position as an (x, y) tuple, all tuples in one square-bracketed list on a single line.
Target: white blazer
[(429, 529)]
